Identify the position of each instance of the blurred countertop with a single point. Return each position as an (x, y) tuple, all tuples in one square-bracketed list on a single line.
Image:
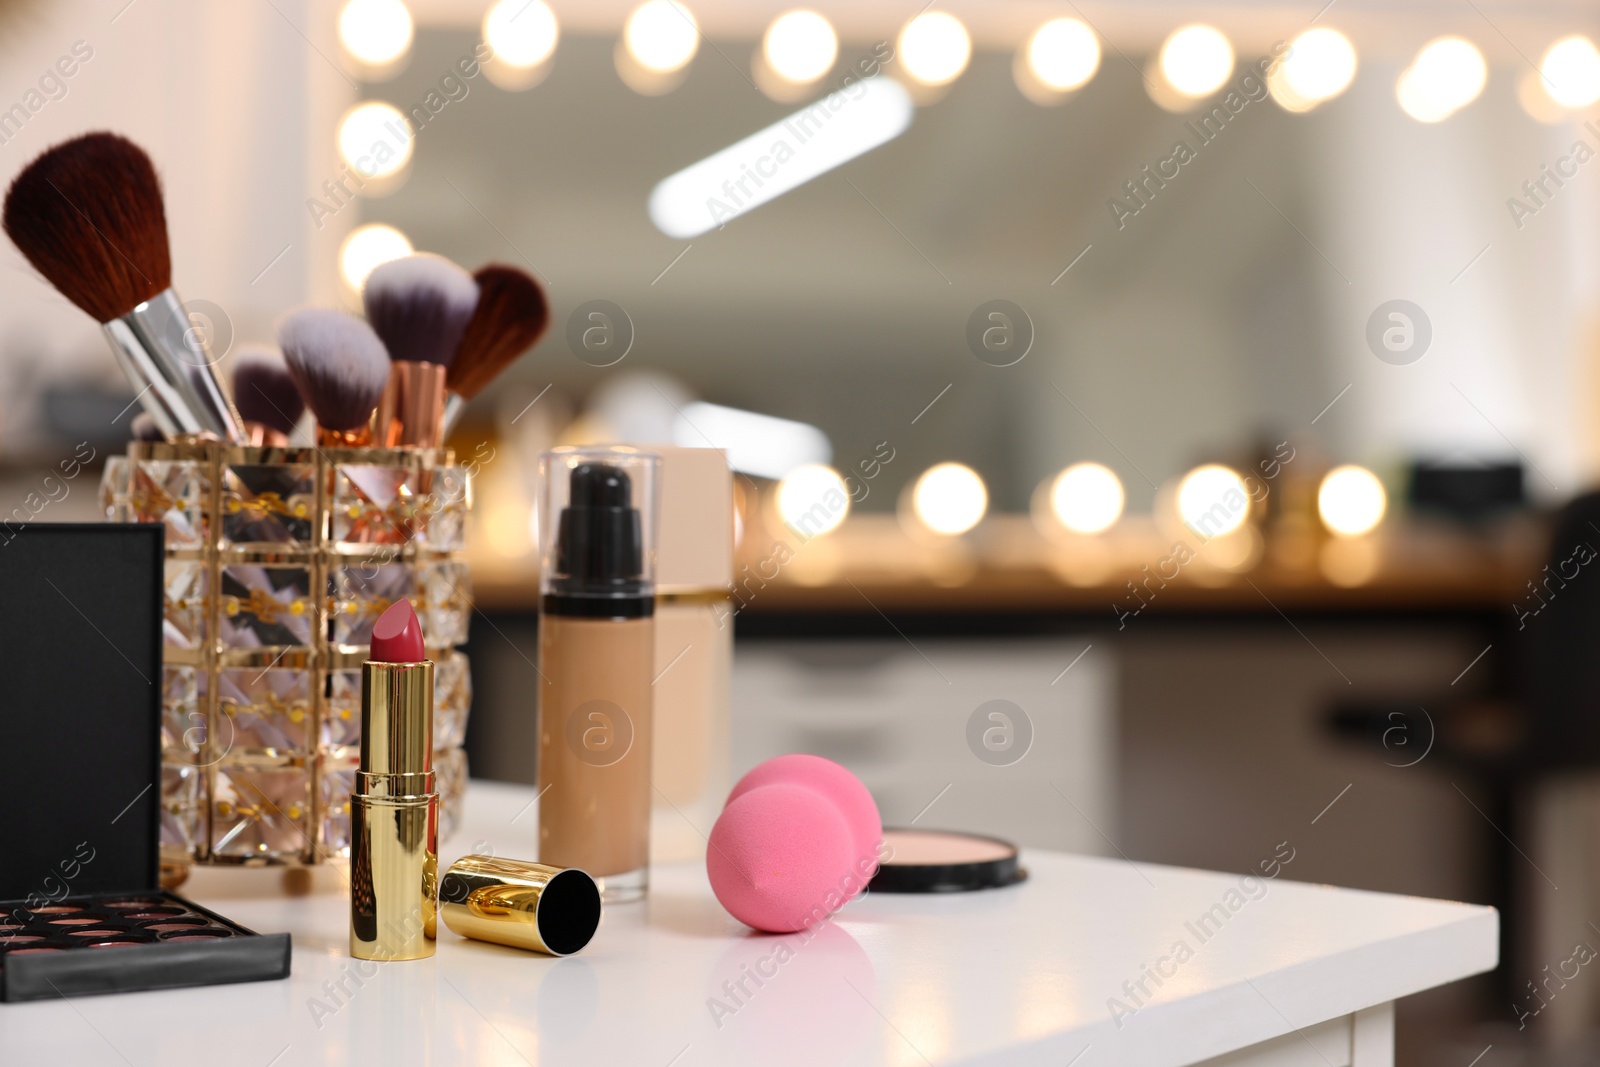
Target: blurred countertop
[(872, 563)]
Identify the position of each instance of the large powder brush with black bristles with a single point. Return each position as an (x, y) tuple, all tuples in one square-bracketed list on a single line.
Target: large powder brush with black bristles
[(340, 368), (88, 214), (420, 306), (510, 318)]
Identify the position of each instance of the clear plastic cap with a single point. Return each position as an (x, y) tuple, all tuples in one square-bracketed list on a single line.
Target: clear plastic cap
[(598, 517)]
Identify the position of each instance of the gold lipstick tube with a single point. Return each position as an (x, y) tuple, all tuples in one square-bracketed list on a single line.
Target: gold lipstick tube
[(412, 409), (394, 816)]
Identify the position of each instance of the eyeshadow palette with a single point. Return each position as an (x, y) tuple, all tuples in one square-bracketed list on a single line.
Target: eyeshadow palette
[(83, 611), (44, 949)]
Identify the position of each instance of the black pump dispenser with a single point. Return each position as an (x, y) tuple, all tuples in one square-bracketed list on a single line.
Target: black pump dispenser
[(599, 565)]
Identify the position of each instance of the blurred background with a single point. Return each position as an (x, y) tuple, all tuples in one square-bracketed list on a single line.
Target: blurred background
[(1214, 382)]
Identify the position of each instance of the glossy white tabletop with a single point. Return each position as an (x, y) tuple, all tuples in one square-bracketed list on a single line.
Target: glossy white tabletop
[(1021, 975)]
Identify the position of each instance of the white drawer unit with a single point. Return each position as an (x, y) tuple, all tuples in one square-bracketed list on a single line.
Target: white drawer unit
[(1012, 738)]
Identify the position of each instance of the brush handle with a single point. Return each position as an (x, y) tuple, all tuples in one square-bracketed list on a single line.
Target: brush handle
[(454, 405), (412, 409), (168, 362)]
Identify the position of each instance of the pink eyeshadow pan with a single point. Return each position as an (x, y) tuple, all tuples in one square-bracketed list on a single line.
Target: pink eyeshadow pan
[(115, 944), (96, 933), (20, 939), (153, 913), (57, 909), (132, 904), (76, 922), (35, 951)]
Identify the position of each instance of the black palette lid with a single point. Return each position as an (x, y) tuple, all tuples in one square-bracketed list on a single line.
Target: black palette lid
[(80, 637)]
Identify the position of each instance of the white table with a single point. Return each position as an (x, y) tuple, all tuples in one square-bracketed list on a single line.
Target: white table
[(1303, 974)]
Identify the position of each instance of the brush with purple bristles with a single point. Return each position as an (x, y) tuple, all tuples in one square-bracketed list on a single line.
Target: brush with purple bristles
[(340, 368), (420, 306), (266, 395)]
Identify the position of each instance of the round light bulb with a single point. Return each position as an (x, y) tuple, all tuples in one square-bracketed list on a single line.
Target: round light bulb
[(813, 500), (935, 48), (1320, 65), (1284, 96), (375, 139), (1447, 75), (1351, 501), (523, 33), (1063, 54), (368, 246), (1533, 93), (1213, 500), (1087, 497), (375, 32), (800, 46), (1417, 101), (950, 498), (1196, 60), (661, 35), (1571, 71)]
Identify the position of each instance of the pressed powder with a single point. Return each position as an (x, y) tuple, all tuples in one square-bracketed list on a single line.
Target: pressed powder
[(929, 847), (938, 861)]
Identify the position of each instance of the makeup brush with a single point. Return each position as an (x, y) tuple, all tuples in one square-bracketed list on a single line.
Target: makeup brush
[(266, 396), (88, 215), (511, 315), (144, 428), (420, 306), (340, 368)]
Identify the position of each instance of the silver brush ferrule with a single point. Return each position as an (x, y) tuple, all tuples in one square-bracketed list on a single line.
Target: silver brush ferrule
[(167, 360)]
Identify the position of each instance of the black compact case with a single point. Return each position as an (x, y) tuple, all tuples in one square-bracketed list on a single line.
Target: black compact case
[(80, 795)]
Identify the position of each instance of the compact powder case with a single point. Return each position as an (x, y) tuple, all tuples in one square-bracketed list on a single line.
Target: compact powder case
[(941, 861), (81, 813)]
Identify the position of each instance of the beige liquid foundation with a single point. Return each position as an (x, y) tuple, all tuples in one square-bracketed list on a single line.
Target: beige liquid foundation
[(596, 661)]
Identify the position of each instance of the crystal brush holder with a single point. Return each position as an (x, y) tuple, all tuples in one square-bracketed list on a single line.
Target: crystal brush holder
[(278, 562)]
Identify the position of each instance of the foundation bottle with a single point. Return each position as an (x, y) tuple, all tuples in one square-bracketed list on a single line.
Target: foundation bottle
[(694, 649), (598, 517)]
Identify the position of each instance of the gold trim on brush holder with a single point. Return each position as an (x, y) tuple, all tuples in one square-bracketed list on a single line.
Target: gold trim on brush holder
[(394, 816), (554, 910)]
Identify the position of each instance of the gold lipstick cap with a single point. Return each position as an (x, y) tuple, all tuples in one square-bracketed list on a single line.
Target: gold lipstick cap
[(555, 910)]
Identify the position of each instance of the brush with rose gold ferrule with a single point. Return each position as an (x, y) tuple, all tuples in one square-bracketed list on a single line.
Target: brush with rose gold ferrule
[(340, 368), (266, 396), (394, 809), (420, 306)]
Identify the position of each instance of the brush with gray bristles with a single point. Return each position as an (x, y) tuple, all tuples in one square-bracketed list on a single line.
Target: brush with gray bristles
[(266, 395), (340, 368), (420, 306)]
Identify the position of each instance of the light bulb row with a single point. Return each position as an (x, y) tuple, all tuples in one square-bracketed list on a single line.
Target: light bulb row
[(950, 499), (661, 37)]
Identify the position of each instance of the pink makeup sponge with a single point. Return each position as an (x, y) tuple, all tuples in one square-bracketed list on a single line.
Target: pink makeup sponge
[(781, 857), (824, 776)]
